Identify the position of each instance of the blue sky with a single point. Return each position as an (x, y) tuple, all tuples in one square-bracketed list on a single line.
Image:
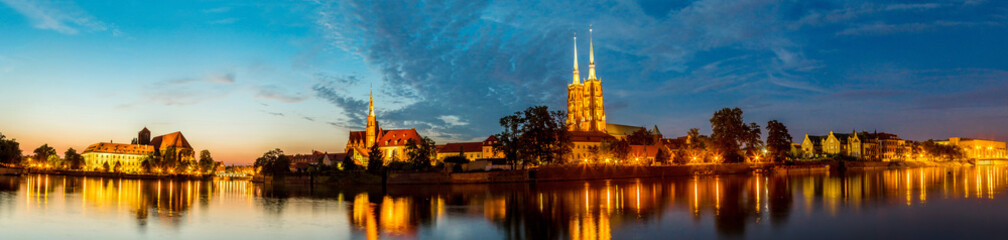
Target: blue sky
[(241, 77)]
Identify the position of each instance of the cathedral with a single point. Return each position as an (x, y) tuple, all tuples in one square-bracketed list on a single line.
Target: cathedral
[(586, 118), (391, 143), (585, 111)]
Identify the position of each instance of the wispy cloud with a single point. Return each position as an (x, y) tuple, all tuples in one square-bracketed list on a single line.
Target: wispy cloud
[(62, 17), (277, 94)]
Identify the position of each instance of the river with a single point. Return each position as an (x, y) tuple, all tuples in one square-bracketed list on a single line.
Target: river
[(930, 203)]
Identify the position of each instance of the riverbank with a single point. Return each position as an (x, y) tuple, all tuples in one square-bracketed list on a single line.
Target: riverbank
[(592, 172), (110, 174)]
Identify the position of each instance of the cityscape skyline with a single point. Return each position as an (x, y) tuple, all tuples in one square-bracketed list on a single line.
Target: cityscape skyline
[(240, 79)]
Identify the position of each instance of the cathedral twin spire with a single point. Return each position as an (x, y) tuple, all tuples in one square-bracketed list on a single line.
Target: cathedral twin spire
[(591, 59)]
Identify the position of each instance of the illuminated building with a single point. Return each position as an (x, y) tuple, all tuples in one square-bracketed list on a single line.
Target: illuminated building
[(470, 150), (863, 145), (391, 143), (585, 108), (316, 158), (586, 119), (130, 156), (978, 148)]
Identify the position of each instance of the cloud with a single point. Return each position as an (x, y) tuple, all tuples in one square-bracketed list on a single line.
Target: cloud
[(187, 91), (453, 120), (354, 109), (62, 17), (217, 10), (480, 60), (224, 21), (277, 94)]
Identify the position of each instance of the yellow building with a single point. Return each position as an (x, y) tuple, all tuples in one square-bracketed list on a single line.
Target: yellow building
[(469, 150), (130, 156), (979, 148), (585, 108)]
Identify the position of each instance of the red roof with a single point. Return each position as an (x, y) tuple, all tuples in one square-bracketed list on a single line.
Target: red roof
[(357, 136), (588, 136), (490, 140), (168, 140), (107, 147), (398, 137), (465, 146)]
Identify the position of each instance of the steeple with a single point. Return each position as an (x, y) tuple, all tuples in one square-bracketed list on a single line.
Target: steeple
[(576, 74), (371, 103), (591, 56)]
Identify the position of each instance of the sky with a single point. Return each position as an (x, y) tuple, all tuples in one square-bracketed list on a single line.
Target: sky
[(239, 78)]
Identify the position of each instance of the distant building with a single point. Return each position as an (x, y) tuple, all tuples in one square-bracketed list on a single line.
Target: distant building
[(860, 145), (391, 143), (812, 145), (300, 162), (130, 156), (470, 150), (978, 148)]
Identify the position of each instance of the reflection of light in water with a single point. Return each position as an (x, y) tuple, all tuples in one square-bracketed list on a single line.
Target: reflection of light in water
[(364, 217), (395, 215)]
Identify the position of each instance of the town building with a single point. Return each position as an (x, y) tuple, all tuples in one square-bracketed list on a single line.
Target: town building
[(391, 142), (470, 150), (978, 148), (129, 157), (300, 162), (859, 145)]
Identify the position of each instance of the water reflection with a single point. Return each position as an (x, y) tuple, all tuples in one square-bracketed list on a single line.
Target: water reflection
[(731, 204)]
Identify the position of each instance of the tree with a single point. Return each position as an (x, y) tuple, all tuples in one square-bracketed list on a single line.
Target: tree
[(73, 159), (206, 162), (117, 167), (10, 150), (457, 162), (375, 160), (420, 153), (509, 141), (54, 161), (105, 167), (941, 151), (348, 163), (620, 148), (778, 140), (273, 163), (535, 135), (730, 132), (641, 137), (662, 156), (43, 152)]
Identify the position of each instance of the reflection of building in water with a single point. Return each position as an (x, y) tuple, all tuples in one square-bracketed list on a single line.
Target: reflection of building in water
[(596, 209), (164, 200)]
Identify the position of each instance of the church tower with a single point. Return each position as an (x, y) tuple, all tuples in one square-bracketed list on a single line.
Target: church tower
[(593, 93), (574, 97), (143, 138), (372, 123), (585, 108)]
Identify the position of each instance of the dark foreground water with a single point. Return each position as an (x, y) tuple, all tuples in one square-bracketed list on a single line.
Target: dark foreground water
[(928, 203)]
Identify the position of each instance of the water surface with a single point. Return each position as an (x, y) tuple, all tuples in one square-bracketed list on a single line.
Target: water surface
[(930, 203)]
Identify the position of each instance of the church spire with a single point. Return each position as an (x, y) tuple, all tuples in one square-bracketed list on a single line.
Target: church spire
[(371, 103), (591, 56), (576, 74)]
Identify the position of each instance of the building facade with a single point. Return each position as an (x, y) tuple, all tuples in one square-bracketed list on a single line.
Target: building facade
[(129, 157), (585, 107), (978, 148), (391, 143)]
